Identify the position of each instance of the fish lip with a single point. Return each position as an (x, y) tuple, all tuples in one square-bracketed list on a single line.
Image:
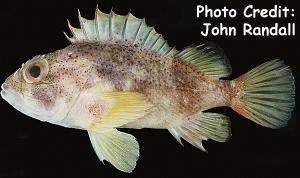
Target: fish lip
[(3, 86), (7, 94), (3, 94), (4, 91), (17, 101), (10, 96)]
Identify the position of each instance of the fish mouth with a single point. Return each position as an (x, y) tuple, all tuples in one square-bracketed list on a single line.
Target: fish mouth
[(3, 91), (17, 101), (27, 105)]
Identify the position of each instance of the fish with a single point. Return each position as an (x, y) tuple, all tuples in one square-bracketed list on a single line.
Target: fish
[(118, 72)]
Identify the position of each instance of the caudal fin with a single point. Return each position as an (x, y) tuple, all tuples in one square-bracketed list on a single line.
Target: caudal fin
[(265, 94)]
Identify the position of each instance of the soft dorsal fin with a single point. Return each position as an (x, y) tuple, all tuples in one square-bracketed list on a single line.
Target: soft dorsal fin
[(126, 28), (209, 58)]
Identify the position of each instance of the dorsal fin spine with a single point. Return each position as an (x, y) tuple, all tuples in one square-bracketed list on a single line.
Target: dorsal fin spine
[(72, 29), (154, 42), (124, 27), (147, 35), (109, 23), (111, 28), (165, 49), (161, 45), (96, 24), (141, 22), (82, 25), (68, 38), (171, 52), (142, 33), (152, 39)]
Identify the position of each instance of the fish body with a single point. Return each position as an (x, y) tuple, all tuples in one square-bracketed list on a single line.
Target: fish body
[(120, 73), (117, 67)]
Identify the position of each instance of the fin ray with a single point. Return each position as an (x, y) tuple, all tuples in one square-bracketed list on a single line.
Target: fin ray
[(117, 108), (209, 59), (125, 28), (118, 23), (126, 107), (118, 148), (207, 125), (268, 94)]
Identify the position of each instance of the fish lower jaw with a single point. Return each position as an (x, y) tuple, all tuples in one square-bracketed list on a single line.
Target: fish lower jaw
[(3, 94), (3, 88)]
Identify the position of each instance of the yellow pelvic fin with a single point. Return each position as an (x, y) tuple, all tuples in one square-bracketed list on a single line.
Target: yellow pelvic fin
[(118, 148), (123, 107)]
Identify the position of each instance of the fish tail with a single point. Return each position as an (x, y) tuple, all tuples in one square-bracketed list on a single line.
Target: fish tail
[(265, 94)]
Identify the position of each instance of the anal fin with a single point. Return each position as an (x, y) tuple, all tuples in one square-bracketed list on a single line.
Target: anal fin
[(118, 148), (203, 126)]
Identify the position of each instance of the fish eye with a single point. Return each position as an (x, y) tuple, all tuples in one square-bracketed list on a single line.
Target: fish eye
[(35, 70)]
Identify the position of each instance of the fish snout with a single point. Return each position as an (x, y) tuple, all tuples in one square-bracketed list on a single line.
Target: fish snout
[(14, 82), (6, 90), (3, 88)]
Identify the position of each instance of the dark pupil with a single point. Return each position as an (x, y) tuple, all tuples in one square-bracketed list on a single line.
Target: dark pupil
[(35, 71)]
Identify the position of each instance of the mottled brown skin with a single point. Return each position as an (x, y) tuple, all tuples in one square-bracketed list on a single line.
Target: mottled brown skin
[(158, 77), (176, 88)]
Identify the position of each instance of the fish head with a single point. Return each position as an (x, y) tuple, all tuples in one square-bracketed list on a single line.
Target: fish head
[(38, 90)]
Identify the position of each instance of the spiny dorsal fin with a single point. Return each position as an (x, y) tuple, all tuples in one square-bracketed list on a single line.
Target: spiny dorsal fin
[(209, 58), (126, 28)]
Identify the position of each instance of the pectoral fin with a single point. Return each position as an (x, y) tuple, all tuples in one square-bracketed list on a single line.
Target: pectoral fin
[(122, 108), (118, 148)]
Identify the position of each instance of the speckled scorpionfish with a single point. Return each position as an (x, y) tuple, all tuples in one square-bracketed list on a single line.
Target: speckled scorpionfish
[(119, 73)]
